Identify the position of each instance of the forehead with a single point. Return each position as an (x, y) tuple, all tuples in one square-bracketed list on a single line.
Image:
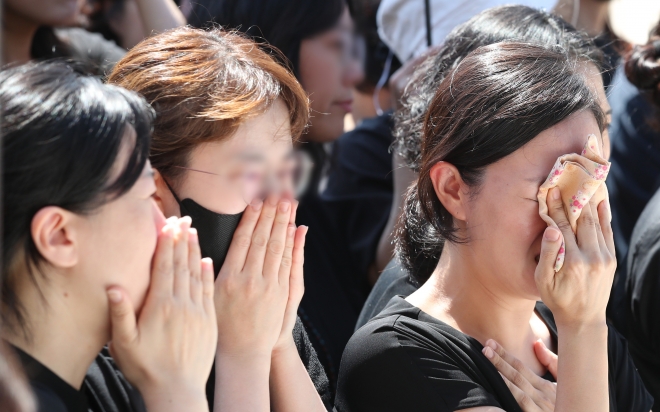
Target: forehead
[(534, 160), (266, 136)]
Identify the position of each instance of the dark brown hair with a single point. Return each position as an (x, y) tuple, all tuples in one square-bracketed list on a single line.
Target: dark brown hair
[(643, 67), (203, 84), (497, 99)]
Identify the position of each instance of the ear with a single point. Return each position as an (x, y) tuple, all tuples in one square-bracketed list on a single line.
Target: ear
[(164, 197), (450, 189), (55, 236)]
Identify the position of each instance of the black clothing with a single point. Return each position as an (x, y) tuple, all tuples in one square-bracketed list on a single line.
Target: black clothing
[(108, 390), (104, 389), (333, 298), (635, 173), (633, 179), (309, 359), (360, 190), (53, 394), (346, 219), (642, 302), (406, 360), (394, 281)]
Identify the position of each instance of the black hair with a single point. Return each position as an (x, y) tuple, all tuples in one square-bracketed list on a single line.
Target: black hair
[(281, 23), (418, 244), (62, 134), (377, 52)]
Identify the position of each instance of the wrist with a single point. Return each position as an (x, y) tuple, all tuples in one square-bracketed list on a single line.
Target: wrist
[(582, 328), (175, 396), (285, 347)]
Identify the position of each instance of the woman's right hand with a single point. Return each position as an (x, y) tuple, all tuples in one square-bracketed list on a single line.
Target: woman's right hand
[(167, 352), (252, 288), (578, 294)]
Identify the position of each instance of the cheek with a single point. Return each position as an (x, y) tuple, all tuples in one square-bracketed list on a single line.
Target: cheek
[(320, 76)]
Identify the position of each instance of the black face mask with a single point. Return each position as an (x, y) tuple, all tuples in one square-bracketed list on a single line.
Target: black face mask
[(215, 230)]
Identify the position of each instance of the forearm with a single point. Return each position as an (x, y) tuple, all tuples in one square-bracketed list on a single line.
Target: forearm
[(291, 388), (241, 383), (582, 381), (160, 15)]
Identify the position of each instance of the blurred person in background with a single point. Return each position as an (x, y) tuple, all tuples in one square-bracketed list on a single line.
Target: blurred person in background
[(36, 29), (128, 22), (87, 256), (218, 148), (318, 40), (636, 173), (359, 191)]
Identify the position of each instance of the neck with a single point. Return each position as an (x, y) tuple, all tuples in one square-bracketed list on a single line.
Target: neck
[(17, 35), (457, 295), (58, 334), (592, 16)]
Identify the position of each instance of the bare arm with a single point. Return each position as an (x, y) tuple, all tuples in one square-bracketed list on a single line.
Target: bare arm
[(159, 15), (291, 387)]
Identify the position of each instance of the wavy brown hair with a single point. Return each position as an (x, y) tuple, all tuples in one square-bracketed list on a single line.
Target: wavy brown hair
[(203, 84)]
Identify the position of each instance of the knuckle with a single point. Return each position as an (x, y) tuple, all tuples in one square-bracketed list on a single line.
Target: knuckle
[(517, 365), (276, 247), (259, 241), (526, 401), (518, 380), (286, 262), (243, 241), (563, 225), (588, 219)]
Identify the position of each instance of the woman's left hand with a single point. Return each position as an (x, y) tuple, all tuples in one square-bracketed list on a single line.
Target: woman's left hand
[(532, 392), (292, 261)]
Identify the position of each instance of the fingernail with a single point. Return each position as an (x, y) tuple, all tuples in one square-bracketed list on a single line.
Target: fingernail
[(488, 352), (192, 234), (186, 219), (555, 193), (284, 206), (115, 296), (291, 231), (491, 344), (256, 204), (272, 200), (551, 234)]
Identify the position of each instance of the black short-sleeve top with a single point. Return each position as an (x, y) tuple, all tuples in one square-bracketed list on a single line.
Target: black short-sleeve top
[(406, 360)]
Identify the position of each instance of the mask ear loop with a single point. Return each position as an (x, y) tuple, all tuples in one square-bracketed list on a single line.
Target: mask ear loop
[(381, 82), (172, 191)]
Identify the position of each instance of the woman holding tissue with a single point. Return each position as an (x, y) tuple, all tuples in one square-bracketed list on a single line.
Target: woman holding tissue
[(479, 186), (226, 117)]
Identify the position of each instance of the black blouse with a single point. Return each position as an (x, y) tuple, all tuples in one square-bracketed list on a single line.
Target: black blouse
[(52, 392), (407, 360)]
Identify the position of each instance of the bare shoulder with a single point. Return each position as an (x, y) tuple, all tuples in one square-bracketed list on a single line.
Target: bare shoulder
[(482, 409)]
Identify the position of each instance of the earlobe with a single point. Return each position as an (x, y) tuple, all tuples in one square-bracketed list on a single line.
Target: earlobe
[(161, 187), (55, 237), (449, 188)]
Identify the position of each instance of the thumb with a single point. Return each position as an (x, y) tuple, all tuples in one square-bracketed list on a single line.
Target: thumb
[(550, 245), (546, 357), (122, 317)]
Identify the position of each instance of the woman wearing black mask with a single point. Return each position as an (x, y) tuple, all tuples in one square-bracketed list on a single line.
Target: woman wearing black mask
[(227, 113)]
